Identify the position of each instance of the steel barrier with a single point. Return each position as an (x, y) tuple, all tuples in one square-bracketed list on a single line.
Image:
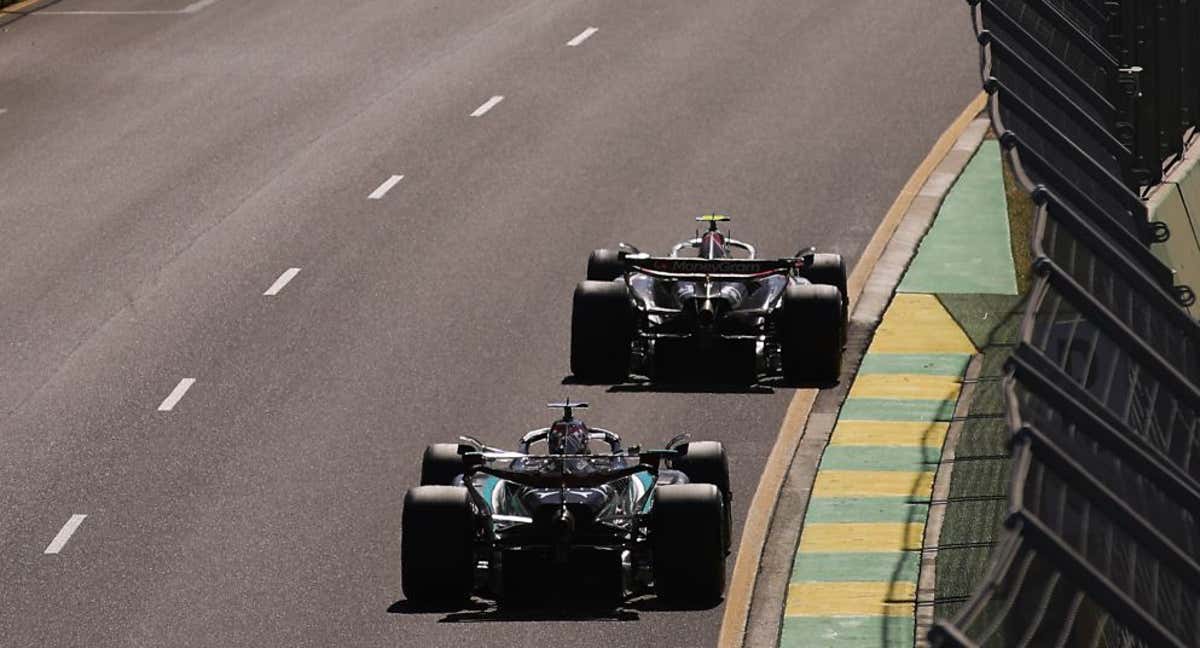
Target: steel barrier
[(1092, 100)]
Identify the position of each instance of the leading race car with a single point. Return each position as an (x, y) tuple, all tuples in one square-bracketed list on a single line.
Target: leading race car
[(736, 319), (584, 516)]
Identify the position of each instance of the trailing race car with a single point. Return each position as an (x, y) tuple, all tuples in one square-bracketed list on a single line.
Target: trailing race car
[(515, 526), (742, 318)]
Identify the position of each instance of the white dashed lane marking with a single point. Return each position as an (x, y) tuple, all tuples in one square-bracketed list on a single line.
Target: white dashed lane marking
[(487, 105), (385, 187), (169, 403), (282, 281), (64, 534), (584, 35)]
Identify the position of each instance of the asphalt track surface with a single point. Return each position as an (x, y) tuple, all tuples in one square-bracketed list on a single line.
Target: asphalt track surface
[(158, 173)]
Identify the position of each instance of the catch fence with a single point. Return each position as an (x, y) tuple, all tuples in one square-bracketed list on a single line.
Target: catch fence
[(1093, 100)]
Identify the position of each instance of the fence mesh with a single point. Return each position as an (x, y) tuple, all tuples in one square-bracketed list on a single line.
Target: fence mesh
[(1091, 99)]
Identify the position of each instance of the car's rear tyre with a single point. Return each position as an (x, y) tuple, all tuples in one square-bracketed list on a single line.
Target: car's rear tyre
[(705, 462), (605, 265), (601, 332), (830, 270), (688, 546), (440, 464), (812, 329), (436, 553)]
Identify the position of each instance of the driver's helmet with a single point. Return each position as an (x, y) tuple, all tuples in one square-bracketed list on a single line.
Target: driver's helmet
[(568, 436), (712, 246)]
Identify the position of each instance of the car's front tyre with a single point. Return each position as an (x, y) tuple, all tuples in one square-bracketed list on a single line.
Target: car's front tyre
[(605, 265), (440, 464)]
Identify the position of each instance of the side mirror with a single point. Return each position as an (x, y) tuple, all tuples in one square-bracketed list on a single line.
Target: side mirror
[(678, 438)]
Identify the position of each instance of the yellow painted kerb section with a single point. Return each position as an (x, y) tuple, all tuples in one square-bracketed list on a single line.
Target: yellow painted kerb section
[(919, 324), (889, 433), (851, 599), (861, 537), (906, 386), (872, 483)]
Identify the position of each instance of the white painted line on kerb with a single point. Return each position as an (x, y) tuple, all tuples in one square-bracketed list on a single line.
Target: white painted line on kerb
[(584, 35), (64, 534), (3, 110), (169, 403), (488, 105), (282, 281), (385, 187)]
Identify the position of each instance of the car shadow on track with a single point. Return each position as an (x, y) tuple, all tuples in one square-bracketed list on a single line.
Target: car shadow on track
[(765, 387), (478, 611), (483, 612)]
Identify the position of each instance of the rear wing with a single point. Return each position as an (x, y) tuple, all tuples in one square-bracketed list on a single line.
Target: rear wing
[(692, 268)]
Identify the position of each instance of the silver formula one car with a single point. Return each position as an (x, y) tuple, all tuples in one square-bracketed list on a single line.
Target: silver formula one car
[(572, 519), (714, 316)]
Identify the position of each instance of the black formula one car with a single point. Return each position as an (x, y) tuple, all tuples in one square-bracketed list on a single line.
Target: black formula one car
[(711, 316), (603, 523)]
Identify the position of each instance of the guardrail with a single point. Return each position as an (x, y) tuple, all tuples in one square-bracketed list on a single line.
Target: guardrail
[(1092, 101)]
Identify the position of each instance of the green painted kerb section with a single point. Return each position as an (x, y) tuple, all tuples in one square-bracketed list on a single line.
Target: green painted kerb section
[(888, 409), (896, 510), (936, 364), (847, 632), (906, 458), (855, 567), (967, 250)]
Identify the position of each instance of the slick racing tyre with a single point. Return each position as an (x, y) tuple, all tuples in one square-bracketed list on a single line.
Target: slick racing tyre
[(830, 270), (705, 462), (436, 553), (827, 270), (440, 464), (687, 529), (812, 327), (601, 332), (605, 265)]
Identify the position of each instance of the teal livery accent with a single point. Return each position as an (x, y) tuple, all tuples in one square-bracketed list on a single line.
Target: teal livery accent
[(488, 489), (647, 481)]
